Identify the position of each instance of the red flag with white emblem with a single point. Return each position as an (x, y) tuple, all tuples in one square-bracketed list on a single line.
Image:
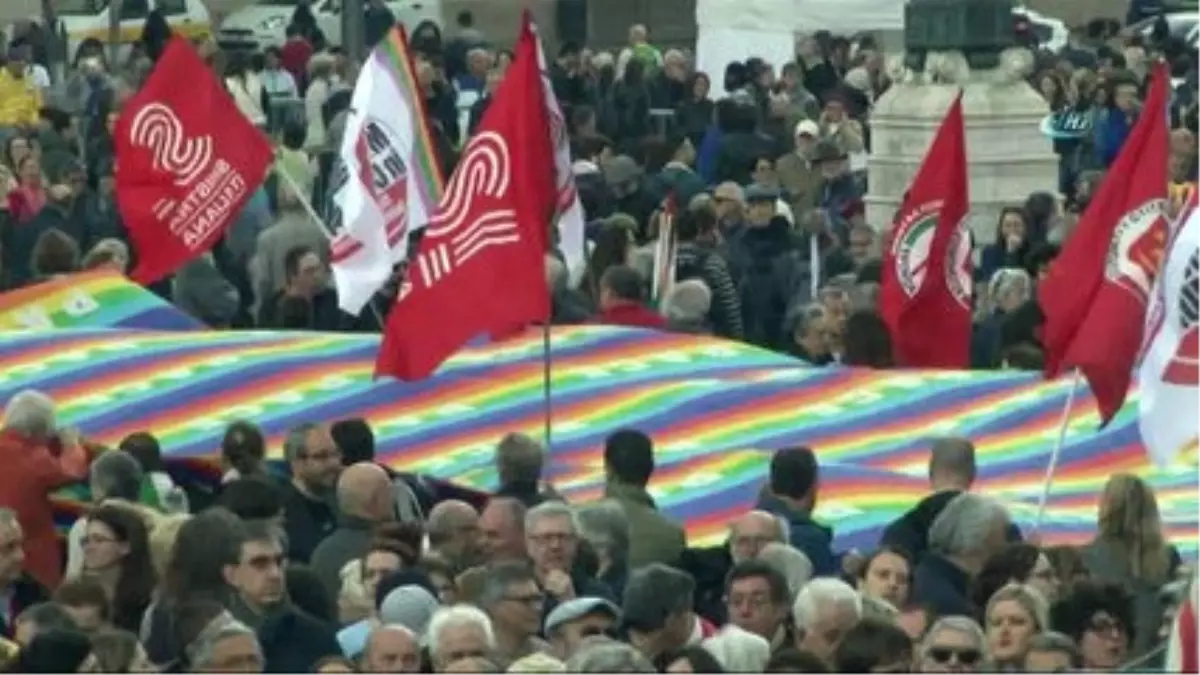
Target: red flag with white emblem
[(481, 264)]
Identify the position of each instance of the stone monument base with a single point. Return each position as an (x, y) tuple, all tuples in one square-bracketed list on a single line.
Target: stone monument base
[(1008, 157)]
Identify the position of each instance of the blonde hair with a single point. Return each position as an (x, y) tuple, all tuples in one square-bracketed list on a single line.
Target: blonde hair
[(162, 540), (1028, 597), (1129, 515)]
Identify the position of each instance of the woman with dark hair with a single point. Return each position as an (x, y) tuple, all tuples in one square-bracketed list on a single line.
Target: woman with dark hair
[(1011, 246), (613, 245), (693, 659), (243, 451), (29, 197), (1018, 563), (695, 113), (205, 545), (116, 552), (1099, 617), (304, 20), (57, 651), (867, 342)]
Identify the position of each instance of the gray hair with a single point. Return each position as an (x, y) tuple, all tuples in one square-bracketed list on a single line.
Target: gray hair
[(605, 525), (201, 650), (551, 509), (802, 318), (608, 656), (30, 413), (1010, 280), (963, 527), (957, 624), (1051, 641), (519, 458), (738, 650), (498, 578), (116, 474), (688, 300), (789, 561), (296, 441), (824, 592), (453, 617)]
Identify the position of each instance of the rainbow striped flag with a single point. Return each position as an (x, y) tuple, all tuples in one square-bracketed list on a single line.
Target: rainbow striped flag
[(100, 298)]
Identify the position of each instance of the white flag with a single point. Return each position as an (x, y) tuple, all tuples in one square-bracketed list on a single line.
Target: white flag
[(1170, 365), (568, 210), (386, 183)]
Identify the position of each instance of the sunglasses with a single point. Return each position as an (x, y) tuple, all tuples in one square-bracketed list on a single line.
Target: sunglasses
[(966, 657)]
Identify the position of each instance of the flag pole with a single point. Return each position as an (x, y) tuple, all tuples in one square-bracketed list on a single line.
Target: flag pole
[(312, 213), (547, 405), (1052, 465)]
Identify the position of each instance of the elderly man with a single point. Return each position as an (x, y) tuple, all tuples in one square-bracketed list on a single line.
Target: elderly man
[(574, 621), (748, 534), (38, 458), (459, 633), (391, 649), (365, 501), (513, 601), (502, 530), (964, 535), (1008, 290), (552, 543), (226, 645), (824, 611), (687, 307), (315, 462), (809, 331), (453, 530)]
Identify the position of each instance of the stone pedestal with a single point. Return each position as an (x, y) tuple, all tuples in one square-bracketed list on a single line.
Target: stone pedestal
[(1007, 155)]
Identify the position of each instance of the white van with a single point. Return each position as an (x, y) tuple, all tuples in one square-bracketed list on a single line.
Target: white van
[(264, 23), (86, 21)]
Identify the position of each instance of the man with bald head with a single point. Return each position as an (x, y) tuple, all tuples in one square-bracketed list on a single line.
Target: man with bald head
[(748, 534), (391, 649), (364, 501), (502, 530), (453, 529)]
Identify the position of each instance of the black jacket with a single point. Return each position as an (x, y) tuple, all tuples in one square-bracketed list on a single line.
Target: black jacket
[(910, 532), (293, 642), (22, 594), (709, 567), (942, 587), (306, 521)]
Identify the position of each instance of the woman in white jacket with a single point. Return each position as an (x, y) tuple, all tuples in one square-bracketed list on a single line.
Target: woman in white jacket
[(244, 85), (320, 75)]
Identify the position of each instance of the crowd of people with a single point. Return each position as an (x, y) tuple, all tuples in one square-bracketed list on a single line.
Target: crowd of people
[(339, 564)]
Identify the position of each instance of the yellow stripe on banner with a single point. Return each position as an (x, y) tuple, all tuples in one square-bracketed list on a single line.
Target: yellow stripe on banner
[(127, 35)]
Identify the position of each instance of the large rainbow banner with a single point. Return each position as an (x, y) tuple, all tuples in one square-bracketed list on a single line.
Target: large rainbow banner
[(715, 409)]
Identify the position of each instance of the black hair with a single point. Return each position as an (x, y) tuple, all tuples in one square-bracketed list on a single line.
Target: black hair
[(355, 439), (205, 545), (1073, 614), (793, 472), (1013, 562), (587, 147), (243, 447), (252, 498), (291, 260), (754, 569), (872, 643), (293, 134), (568, 48), (885, 550), (868, 342), (629, 456), (700, 659), (792, 660), (137, 581), (307, 592), (55, 651), (692, 223), (144, 447)]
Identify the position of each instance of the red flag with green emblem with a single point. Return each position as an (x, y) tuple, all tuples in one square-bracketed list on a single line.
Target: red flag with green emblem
[(925, 297)]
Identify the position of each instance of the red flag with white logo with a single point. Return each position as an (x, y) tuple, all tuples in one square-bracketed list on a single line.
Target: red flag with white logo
[(480, 267), (925, 294), (187, 162), (1095, 295)]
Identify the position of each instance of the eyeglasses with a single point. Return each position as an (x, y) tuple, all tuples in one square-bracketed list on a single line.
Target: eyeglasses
[(532, 599), (944, 655), (1106, 626)]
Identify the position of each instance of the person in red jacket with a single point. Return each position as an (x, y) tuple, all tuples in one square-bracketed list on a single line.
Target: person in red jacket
[(38, 458), (621, 304)]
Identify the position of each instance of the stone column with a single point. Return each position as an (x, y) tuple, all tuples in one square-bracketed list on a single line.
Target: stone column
[(953, 44)]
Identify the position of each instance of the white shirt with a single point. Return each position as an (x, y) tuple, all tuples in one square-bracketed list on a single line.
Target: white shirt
[(39, 75)]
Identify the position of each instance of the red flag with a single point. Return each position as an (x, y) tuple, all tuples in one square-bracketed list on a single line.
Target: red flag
[(925, 297), (480, 266), (1095, 295), (187, 161)]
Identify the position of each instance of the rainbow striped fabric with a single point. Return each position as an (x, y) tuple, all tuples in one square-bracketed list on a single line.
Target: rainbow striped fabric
[(715, 410)]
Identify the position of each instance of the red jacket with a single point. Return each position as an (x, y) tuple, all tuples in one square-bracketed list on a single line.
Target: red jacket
[(294, 56), (31, 471), (631, 314)]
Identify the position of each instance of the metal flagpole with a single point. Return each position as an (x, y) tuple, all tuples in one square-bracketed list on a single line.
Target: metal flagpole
[(547, 405), (1058, 446), (312, 213)]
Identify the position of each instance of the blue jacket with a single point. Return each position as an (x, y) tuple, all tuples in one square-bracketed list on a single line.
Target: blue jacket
[(807, 536), (1111, 133)]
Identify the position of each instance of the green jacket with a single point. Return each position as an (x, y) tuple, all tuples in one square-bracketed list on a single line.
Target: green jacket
[(653, 536)]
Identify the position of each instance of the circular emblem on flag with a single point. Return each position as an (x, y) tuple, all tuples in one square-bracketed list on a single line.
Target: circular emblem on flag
[(911, 253), (1184, 366), (1136, 252)]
